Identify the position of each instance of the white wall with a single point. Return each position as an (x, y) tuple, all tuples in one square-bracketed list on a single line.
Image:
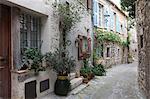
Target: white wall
[(49, 34)]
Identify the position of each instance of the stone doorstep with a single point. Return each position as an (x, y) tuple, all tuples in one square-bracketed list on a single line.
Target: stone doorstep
[(78, 89), (72, 76), (76, 82)]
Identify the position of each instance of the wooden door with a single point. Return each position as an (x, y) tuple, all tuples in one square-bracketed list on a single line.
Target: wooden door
[(5, 75)]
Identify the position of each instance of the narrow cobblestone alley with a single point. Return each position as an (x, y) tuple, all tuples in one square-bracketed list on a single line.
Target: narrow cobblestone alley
[(119, 83)]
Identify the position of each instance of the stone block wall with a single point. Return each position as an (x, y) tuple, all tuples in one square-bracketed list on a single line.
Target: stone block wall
[(118, 55), (143, 30)]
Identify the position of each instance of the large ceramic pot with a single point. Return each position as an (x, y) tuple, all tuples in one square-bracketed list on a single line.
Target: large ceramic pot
[(62, 86)]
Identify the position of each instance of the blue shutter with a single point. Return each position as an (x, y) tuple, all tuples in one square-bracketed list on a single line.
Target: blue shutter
[(109, 18), (106, 17), (117, 24), (95, 11), (112, 20)]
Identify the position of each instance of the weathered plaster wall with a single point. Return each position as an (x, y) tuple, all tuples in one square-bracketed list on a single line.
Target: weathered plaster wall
[(49, 34), (81, 29), (143, 30), (18, 87), (34, 5)]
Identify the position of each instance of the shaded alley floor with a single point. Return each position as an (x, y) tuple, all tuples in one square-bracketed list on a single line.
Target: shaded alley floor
[(119, 83)]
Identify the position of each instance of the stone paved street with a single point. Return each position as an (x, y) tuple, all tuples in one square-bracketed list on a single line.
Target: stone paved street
[(119, 83)]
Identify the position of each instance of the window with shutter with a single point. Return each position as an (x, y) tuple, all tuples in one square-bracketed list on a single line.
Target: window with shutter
[(106, 17), (96, 13), (29, 32), (100, 15)]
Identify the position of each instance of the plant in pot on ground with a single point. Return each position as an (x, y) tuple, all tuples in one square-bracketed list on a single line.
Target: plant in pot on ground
[(32, 59), (62, 64), (99, 70), (86, 71)]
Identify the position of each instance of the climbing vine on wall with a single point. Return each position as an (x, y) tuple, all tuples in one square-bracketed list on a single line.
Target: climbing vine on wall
[(110, 36)]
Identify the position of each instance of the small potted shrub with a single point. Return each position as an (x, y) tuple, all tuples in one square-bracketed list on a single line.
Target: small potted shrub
[(32, 59), (62, 64), (99, 70)]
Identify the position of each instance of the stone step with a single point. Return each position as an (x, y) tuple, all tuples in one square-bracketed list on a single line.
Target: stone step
[(72, 76), (78, 89), (76, 82)]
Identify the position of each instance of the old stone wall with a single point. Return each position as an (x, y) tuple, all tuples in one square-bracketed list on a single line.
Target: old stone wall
[(117, 54), (143, 30)]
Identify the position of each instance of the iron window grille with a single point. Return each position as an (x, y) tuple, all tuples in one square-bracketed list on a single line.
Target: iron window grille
[(30, 32)]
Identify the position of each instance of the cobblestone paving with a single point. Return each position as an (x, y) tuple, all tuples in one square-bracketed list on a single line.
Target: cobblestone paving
[(119, 83)]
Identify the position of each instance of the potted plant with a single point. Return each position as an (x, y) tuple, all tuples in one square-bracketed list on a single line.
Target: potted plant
[(99, 70), (32, 59), (62, 64)]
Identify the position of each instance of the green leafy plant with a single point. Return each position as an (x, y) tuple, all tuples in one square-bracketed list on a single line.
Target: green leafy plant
[(111, 36), (33, 59), (85, 71), (69, 15), (99, 70), (61, 62)]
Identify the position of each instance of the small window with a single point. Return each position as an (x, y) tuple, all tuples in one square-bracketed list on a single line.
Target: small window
[(108, 52), (30, 34), (141, 41), (118, 52)]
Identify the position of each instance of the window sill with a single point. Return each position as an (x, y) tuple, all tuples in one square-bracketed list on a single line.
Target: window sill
[(108, 58), (20, 71)]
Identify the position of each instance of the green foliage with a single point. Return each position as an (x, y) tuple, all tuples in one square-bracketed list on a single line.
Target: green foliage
[(69, 15), (61, 62), (99, 70), (125, 43), (110, 36), (129, 6), (95, 57), (85, 71), (33, 58)]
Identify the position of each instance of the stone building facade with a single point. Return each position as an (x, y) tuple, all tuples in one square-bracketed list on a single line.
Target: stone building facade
[(33, 23), (109, 17), (133, 47), (143, 30)]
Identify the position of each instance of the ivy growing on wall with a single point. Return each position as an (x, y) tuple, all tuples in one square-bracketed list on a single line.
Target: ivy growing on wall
[(111, 36)]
